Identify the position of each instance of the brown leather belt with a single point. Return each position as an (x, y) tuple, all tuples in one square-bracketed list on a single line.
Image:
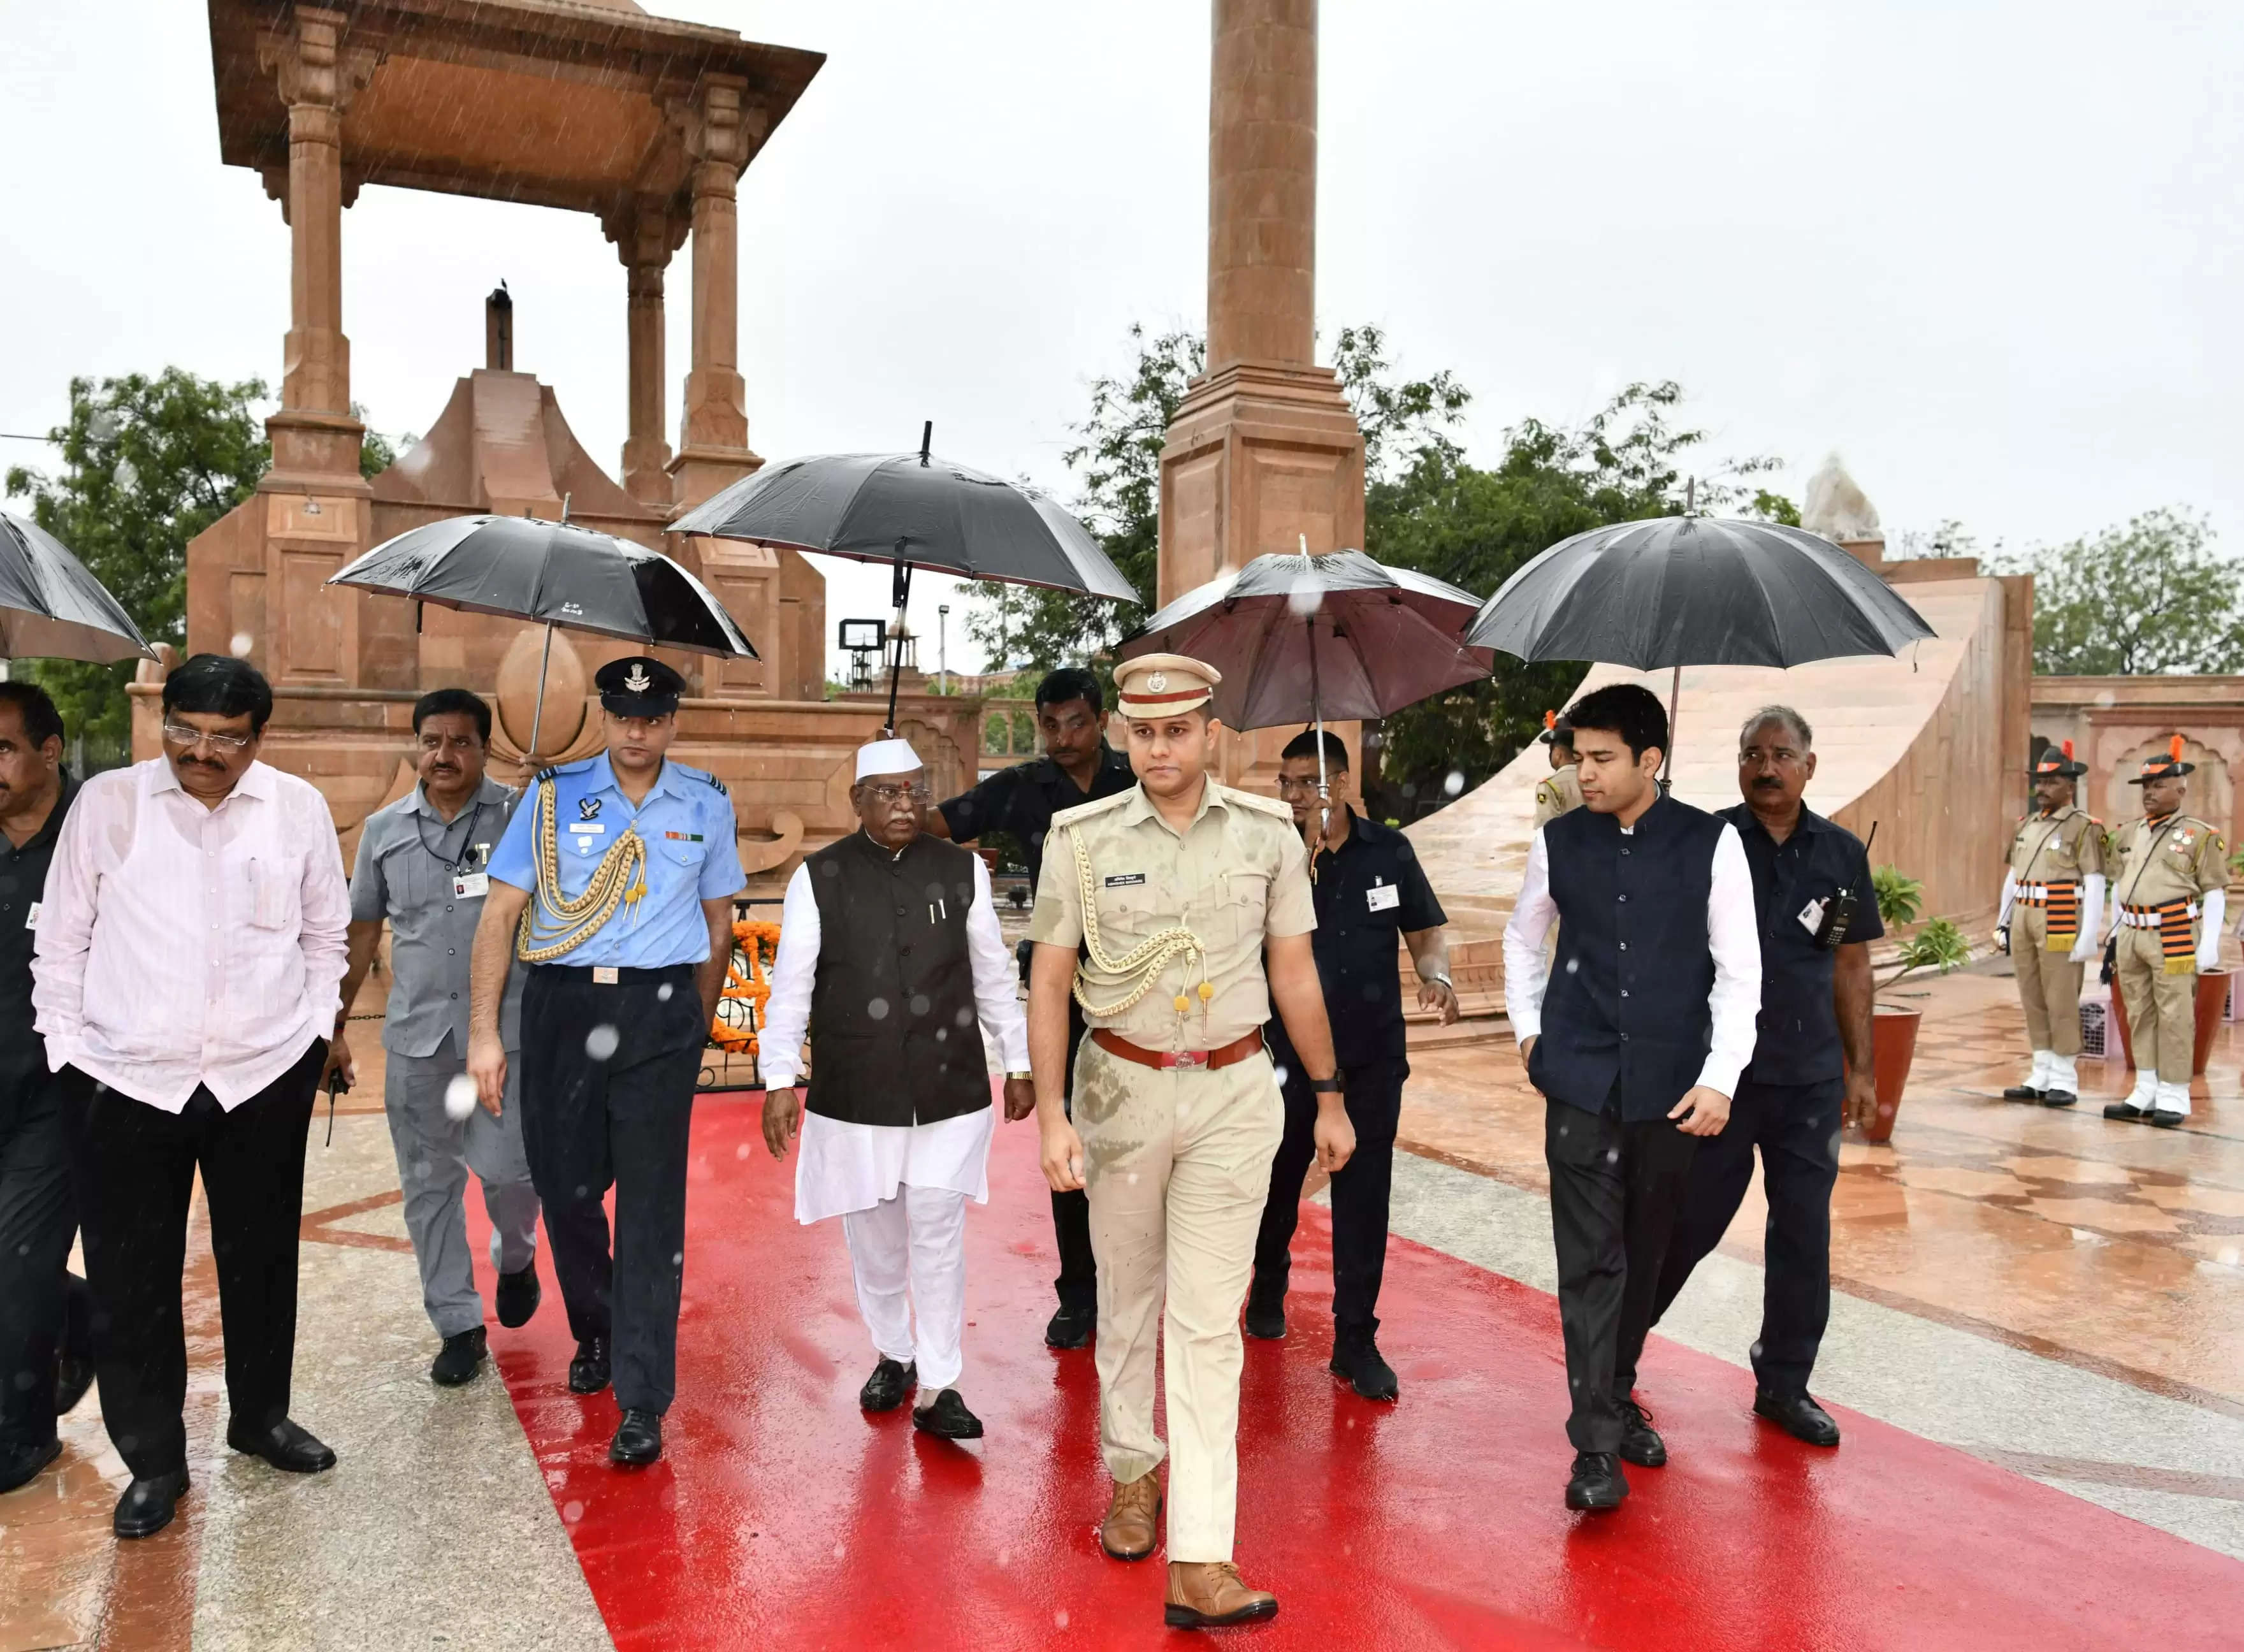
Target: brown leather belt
[(1183, 1060)]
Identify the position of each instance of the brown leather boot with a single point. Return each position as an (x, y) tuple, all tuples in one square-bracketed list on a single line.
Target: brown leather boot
[(1203, 1593), (1127, 1532)]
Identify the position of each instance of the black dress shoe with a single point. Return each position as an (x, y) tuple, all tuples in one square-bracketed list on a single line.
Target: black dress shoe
[(1639, 1441), (588, 1372), (885, 1389), (1070, 1327), (460, 1358), (1798, 1415), (948, 1418), (2022, 1093), (285, 1445), (2126, 1110), (19, 1464), (1265, 1313), (1355, 1357), (2058, 1097), (1597, 1484), (637, 1441), (145, 1508), (2164, 1119), (518, 1296)]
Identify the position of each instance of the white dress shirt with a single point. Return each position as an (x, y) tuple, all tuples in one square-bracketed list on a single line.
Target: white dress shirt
[(181, 945), (1733, 936), (840, 1165)]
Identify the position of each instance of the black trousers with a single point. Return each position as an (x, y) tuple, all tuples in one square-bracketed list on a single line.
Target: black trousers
[(39, 1217), (1615, 1192), (1374, 1098), (1078, 1283), (134, 1166), (597, 1114), (1796, 1128)]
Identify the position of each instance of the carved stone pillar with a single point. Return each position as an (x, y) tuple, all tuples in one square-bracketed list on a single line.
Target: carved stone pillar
[(645, 235), (1264, 451), (319, 67), (720, 137)]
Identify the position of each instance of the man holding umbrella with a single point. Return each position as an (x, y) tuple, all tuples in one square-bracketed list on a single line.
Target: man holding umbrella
[(1078, 766), (628, 931)]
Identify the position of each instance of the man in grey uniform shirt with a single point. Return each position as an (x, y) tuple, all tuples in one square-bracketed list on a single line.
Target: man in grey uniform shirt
[(421, 864)]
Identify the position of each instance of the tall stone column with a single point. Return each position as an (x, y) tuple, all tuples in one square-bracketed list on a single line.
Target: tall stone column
[(319, 67), (720, 137), (645, 235), (1264, 452)]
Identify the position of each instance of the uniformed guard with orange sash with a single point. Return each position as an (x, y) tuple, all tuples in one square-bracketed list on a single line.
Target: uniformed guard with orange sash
[(2051, 909)]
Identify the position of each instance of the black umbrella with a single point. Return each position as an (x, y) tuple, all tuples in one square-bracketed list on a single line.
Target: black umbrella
[(51, 608), (1300, 638), (524, 568), (913, 510), (1695, 590)]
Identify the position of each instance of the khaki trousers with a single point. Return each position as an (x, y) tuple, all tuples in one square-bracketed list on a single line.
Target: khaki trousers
[(2048, 984), (2162, 1008), (1178, 1169)]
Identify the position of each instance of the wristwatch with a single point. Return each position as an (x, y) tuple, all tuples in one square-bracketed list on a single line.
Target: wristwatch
[(1328, 1087)]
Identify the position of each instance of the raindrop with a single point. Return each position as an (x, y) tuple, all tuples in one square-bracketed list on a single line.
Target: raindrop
[(1305, 595), (600, 1043), (1283, 1075), (1454, 782), (128, 1442), (920, 1003), (101, 425), (1835, 1139), (583, 1191), (1409, 788), (837, 1551), (878, 1009), (1755, 1350), (964, 1018), (1612, 1156), (572, 1511), (240, 645), (25, 1380), (741, 1151), (128, 476), (459, 1101), (1572, 965), (662, 993), (1133, 1178), (678, 1259), (2226, 1256), (1059, 1618), (1005, 1557)]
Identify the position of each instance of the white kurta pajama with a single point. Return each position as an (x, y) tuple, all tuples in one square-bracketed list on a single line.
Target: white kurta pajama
[(901, 1190)]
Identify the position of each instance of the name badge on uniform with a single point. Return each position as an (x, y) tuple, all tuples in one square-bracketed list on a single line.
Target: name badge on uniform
[(1811, 916), (31, 917), (603, 975), (1125, 880), (471, 886), (1383, 897), (587, 828)]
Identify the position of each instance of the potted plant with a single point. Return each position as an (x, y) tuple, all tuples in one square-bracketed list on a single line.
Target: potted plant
[(1938, 945)]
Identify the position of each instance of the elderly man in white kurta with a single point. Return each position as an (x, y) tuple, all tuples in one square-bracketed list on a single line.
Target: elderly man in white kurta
[(889, 954)]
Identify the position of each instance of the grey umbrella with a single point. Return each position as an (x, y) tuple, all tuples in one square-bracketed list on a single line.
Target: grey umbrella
[(1695, 590), (50, 607), (913, 511), (1300, 638), (525, 568)]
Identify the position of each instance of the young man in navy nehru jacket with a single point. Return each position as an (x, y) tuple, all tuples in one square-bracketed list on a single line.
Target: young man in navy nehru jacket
[(1636, 1040)]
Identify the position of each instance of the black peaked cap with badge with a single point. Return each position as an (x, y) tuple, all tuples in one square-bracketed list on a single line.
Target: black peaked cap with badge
[(639, 685)]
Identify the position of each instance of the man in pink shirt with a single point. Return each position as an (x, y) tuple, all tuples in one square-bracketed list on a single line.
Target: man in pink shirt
[(191, 939)]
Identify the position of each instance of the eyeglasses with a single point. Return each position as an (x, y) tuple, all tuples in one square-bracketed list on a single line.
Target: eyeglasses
[(1303, 783), (894, 794), (180, 735)]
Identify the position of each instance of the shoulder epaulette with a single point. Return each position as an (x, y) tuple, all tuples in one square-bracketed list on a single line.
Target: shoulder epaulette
[(1256, 800), (711, 780), (1084, 811), (548, 774)]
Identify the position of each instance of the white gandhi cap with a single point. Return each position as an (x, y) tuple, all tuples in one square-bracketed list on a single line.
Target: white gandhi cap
[(885, 757)]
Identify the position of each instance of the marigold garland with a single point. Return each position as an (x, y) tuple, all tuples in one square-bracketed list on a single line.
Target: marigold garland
[(747, 979)]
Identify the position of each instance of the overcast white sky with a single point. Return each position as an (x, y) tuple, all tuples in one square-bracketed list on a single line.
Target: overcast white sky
[(1988, 250)]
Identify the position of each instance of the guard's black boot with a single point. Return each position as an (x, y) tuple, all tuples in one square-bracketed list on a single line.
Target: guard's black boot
[(1355, 1357), (2126, 1110), (1798, 1415), (1639, 1441), (2058, 1097), (2022, 1093), (637, 1441), (460, 1358), (885, 1389), (1266, 1311), (1597, 1484), (518, 1295), (588, 1372), (1071, 1327)]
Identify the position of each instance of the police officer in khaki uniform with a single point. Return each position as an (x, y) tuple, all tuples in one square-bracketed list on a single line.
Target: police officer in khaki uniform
[(2052, 912), (1562, 790), (2169, 898), (1190, 904)]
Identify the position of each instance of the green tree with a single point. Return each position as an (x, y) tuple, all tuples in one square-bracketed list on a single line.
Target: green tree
[(2150, 598), (147, 464)]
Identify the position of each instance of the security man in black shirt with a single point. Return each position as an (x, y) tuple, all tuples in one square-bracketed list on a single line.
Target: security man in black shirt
[(1078, 766), (1811, 1068), (1368, 888), (41, 1305)]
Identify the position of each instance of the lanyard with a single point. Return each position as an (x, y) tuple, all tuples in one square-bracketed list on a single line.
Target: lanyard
[(2056, 826), (2150, 854), (461, 863)]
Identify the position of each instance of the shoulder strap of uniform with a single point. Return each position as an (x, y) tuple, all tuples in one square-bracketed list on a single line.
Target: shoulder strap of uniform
[(1084, 811), (548, 774), (1256, 800), (708, 779)]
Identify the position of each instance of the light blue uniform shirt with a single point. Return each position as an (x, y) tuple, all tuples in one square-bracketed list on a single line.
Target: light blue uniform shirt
[(692, 856)]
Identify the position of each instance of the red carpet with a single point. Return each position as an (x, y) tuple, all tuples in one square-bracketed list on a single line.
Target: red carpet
[(782, 1517)]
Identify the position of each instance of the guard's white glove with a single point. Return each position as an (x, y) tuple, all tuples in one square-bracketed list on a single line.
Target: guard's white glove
[(2213, 905), (2092, 919), (2009, 895)]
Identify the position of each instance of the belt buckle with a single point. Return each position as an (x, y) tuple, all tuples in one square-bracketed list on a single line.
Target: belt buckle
[(1189, 1060), (603, 975)]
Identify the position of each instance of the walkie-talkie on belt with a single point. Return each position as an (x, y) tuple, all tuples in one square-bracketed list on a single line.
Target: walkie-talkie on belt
[(1839, 915)]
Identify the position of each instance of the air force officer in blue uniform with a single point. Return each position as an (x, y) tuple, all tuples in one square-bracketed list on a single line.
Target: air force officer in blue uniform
[(613, 884)]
